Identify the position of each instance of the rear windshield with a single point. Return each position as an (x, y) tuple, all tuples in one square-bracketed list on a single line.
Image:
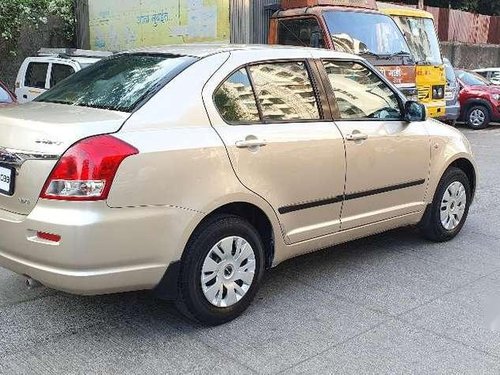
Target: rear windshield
[(119, 83)]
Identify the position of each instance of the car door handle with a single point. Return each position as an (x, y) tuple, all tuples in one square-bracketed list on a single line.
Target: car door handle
[(356, 137), (251, 143)]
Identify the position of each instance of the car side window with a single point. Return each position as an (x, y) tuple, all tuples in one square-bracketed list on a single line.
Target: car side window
[(360, 93), (235, 99), (60, 72), (36, 75), (4, 96), (304, 32), (284, 91)]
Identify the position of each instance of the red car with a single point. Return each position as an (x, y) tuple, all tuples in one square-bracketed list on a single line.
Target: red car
[(6, 96), (479, 98)]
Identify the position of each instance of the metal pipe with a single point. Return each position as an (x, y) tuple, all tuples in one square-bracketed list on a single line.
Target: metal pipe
[(32, 283)]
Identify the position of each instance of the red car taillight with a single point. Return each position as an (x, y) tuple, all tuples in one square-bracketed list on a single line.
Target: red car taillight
[(86, 170)]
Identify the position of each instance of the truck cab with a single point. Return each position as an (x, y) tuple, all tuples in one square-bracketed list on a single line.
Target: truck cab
[(353, 26), (419, 31)]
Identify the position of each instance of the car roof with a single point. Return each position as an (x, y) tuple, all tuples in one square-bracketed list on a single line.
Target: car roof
[(268, 51), (487, 70), (52, 58)]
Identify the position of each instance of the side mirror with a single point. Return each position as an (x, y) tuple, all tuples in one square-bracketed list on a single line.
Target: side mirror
[(415, 111)]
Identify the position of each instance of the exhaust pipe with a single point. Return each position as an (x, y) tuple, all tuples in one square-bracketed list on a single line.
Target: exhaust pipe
[(32, 283)]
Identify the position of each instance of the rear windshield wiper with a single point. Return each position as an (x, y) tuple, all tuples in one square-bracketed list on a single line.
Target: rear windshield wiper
[(55, 101)]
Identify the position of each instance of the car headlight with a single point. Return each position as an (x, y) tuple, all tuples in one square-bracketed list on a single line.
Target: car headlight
[(496, 96), (437, 92)]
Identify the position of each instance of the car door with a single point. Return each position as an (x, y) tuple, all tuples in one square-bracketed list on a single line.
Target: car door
[(387, 158), (34, 82), (280, 144)]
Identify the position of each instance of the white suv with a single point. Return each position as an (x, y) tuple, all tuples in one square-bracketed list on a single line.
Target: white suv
[(491, 74), (52, 65)]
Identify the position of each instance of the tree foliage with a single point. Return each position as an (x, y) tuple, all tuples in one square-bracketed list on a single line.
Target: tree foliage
[(489, 7), (16, 14)]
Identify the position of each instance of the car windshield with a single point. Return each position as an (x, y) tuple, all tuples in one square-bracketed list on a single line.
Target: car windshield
[(420, 34), (4, 96), (472, 79), (118, 83), (365, 33)]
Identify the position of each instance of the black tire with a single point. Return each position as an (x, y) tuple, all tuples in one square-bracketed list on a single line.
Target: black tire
[(431, 225), (191, 299), (474, 109)]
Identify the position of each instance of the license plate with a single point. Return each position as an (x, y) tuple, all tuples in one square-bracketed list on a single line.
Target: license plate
[(7, 176)]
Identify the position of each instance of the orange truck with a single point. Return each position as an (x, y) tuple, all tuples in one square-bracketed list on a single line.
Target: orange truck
[(354, 26)]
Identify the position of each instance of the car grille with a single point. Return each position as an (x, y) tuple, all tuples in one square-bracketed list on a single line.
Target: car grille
[(424, 92)]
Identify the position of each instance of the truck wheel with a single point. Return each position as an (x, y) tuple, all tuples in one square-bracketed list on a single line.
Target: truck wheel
[(221, 270)]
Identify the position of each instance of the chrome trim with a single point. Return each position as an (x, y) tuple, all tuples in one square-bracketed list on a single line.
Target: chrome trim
[(16, 158)]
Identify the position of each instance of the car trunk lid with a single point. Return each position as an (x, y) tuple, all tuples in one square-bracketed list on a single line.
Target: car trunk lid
[(34, 136)]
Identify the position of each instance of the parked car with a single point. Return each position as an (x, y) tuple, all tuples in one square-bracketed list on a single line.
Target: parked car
[(451, 94), (491, 74), (479, 99), (38, 74), (190, 170), (6, 96)]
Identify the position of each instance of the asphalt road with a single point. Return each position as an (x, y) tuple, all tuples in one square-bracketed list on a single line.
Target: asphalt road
[(392, 303)]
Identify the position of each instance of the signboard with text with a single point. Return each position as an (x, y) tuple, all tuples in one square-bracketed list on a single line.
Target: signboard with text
[(119, 25)]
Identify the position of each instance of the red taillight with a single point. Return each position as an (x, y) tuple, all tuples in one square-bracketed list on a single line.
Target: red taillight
[(48, 236), (86, 170)]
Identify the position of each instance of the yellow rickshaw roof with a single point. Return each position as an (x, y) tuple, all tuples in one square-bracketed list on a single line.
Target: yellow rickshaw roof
[(398, 10)]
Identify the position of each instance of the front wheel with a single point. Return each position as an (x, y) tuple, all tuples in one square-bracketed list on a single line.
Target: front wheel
[(221, 270), (446, 216)]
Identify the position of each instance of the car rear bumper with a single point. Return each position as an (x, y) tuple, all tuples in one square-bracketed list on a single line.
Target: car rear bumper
[(102, 250)]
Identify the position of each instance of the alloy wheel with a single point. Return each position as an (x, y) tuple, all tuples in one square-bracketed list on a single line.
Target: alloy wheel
[(477, 117)]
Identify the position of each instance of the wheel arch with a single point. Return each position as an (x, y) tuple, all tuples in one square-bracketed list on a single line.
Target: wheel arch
[(255, 216), (260, 217), (461, 161), (469, 169), (477, 101)]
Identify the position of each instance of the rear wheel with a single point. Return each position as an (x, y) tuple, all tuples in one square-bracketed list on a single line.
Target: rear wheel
[(446, 216), (221, 270), (478, 117)]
